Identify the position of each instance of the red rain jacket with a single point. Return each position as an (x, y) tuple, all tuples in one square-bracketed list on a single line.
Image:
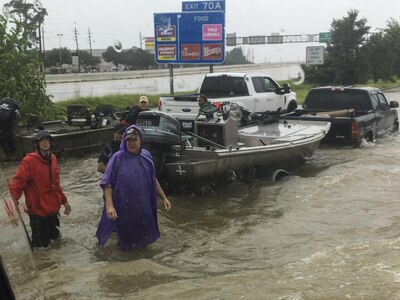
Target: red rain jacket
[(42, 197)]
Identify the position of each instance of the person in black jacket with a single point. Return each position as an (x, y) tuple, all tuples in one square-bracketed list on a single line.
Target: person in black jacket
[(9, 118), (108, 150), (132, 114)]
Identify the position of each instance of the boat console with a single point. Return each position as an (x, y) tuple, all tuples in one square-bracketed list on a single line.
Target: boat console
[(220, 129)]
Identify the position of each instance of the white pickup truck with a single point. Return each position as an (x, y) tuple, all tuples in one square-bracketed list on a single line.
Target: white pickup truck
[(255, 93)]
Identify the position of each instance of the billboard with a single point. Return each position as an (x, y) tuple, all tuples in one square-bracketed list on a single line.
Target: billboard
[(190, 37)]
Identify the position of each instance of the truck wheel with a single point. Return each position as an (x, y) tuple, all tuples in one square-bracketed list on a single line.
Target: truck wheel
[(292, 106), (370, 137), (396, 126)]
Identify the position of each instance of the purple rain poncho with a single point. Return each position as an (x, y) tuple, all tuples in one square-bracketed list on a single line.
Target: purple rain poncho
[(132, 178)]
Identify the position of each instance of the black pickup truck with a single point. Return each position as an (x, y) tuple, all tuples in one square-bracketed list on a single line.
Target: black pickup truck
[(355, 113)]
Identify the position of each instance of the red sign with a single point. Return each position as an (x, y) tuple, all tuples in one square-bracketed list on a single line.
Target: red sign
[(166, 33), (212, 51), (166, 52), (190, 52), (212, 32)]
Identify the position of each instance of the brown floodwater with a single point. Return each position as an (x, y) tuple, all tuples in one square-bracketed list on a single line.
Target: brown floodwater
[(328, 231)]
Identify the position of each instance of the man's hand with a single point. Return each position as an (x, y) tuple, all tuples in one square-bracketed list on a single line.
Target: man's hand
[(111, 212), (67, 209)]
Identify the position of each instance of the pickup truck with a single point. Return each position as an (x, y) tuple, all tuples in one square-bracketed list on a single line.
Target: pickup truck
[(355, 113), (255, 93)]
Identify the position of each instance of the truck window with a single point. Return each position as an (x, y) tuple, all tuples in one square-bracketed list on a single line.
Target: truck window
[(374, 100), (224, 85), (383, 104), (263, 84), (337, 99), (259, 85), (271, 85)]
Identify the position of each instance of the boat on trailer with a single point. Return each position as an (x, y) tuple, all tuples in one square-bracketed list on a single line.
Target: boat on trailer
[(83, 132), (218, 148)]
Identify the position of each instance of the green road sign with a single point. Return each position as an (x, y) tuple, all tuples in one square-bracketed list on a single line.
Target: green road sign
[(324, 37)]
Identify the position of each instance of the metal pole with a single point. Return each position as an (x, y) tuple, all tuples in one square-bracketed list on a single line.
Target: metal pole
[(171, 78), (59, 41)]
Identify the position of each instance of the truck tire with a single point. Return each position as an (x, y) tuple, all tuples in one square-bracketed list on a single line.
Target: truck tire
[(370, 137), (396, 126), (292, 106)]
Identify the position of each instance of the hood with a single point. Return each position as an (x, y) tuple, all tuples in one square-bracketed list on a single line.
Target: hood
[(123, 143)]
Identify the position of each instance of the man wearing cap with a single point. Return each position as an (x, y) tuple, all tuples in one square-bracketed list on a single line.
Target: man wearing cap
[(108, 150), (131, 116), (38, 178), (130, 190)]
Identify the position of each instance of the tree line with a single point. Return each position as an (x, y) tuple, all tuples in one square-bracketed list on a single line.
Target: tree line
[(130, 59), (354, 55)]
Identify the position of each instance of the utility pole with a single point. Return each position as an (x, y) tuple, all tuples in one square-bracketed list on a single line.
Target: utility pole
[(59, 42), (77, 48), (90, 49), (40, 47), (43, 50), (140, 39)]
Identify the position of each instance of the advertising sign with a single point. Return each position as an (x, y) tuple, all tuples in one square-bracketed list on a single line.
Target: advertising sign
[(190, 37)]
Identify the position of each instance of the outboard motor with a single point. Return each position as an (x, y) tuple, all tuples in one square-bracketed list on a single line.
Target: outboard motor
[(95, 120), (9, 118), (161, 132)]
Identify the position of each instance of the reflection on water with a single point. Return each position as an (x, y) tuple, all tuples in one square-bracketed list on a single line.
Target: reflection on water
[(328, 231)]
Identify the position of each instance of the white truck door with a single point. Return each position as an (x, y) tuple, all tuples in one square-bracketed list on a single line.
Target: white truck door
[(265, 94)]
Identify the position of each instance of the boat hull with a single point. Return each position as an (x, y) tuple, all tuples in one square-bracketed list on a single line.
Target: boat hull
[(67, 140), (261, 147)]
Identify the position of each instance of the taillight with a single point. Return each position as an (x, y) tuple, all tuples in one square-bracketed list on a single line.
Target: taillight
[(354, 131)]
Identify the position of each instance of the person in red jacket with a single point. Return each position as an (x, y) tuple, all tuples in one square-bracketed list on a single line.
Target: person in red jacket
[(38, 178)]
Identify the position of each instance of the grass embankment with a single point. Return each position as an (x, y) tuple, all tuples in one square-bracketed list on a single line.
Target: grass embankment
[(122, 101)]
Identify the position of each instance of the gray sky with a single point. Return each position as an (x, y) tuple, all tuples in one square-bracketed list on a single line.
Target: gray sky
[(125, 20)]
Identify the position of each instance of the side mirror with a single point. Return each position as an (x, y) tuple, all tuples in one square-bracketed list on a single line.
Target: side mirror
[(394, 104), (286, 88)]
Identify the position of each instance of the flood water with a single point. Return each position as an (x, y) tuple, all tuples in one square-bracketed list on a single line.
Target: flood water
[(329, 231)]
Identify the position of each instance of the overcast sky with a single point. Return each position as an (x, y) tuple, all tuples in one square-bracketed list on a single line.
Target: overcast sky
[(127, 20)]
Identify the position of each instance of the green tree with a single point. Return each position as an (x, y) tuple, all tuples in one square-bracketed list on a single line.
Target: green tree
[(20, 75), (112, 56), (348, 35), (52, 57), (88, 61), (345, 61), (235, 57), (376, 48), (392, 38)]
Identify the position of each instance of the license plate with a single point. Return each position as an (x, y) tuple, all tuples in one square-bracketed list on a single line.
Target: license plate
[(187, 125)]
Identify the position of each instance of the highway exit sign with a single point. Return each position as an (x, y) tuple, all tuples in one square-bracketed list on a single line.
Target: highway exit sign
[(214, 5), (324, 37)]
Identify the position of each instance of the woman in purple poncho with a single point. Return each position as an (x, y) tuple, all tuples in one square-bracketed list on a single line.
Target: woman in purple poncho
[(130, 191)]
